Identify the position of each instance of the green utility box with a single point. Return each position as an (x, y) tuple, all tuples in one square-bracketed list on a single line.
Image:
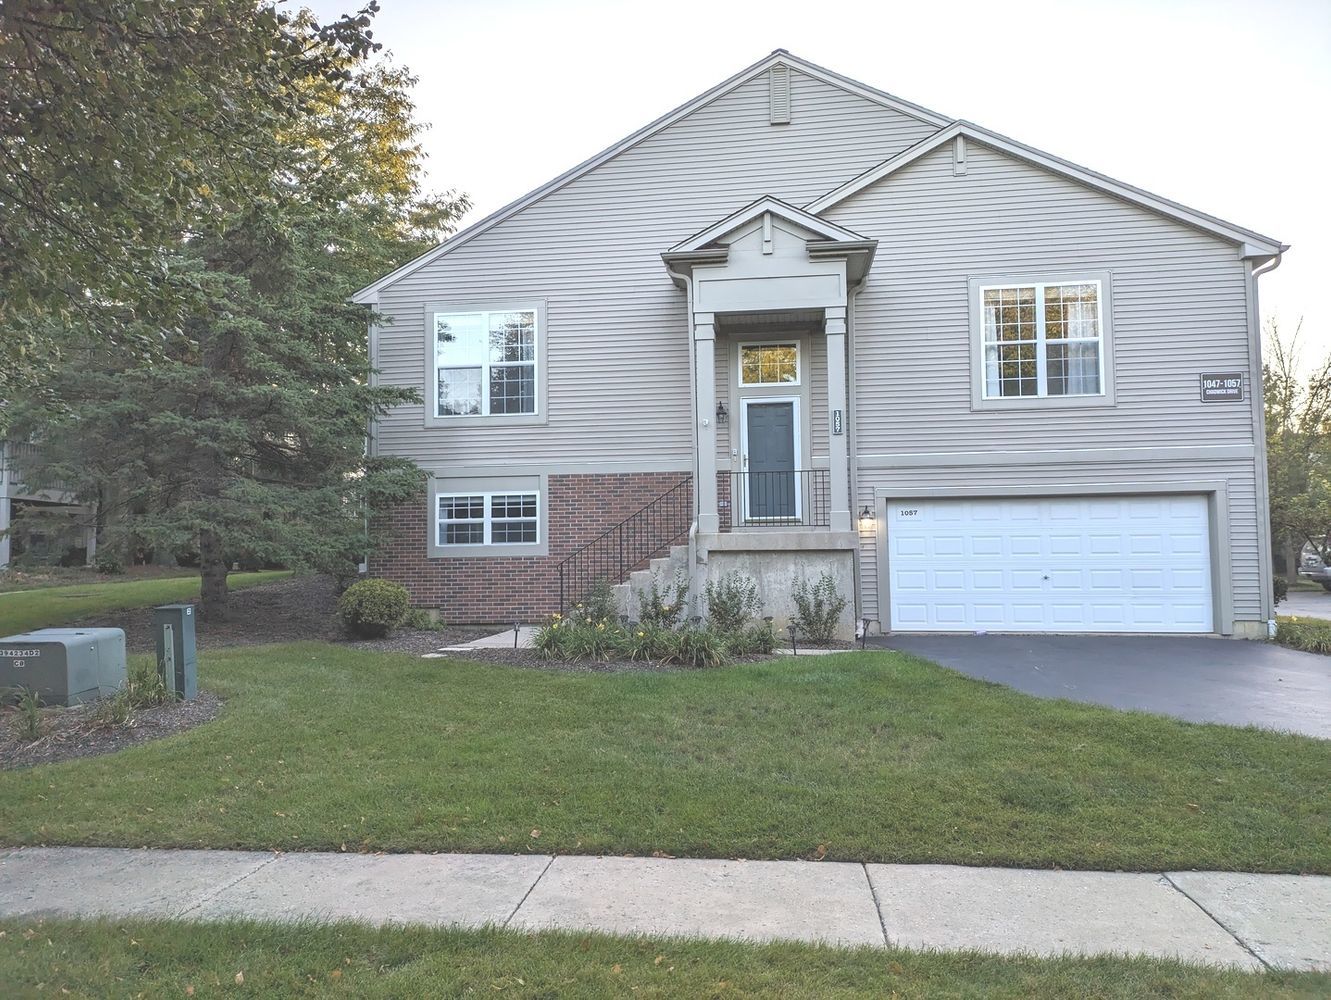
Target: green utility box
[(177, 661), (65, 666)]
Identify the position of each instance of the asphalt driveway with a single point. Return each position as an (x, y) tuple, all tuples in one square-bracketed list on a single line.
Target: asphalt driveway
[(1306, 604), (1194, 678)]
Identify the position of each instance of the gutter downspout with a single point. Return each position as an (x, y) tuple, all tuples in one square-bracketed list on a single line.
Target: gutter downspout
[(687, 280), (1259, 426)]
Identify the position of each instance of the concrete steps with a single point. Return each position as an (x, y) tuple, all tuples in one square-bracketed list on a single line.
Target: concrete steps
[(663, 569)]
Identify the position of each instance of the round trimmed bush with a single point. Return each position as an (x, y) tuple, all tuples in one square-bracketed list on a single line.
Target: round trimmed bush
[(371, 609)]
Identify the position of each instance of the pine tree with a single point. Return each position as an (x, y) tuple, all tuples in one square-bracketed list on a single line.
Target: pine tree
[(243, 438)]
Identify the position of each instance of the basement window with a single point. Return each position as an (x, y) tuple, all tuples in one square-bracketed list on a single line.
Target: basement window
[(488, 519)]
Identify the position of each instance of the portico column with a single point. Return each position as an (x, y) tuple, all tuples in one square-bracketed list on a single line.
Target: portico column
[(837, 451), (704, 375)]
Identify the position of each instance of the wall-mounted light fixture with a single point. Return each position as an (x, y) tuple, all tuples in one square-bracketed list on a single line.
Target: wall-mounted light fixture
[(866, 517), (722, 415)]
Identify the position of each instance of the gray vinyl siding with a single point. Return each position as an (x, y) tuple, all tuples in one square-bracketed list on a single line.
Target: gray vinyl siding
[(1179, 309), (1179, 301), (817, 376), (618, 386)]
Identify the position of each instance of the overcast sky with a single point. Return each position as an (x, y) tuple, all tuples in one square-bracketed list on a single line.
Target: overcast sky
[(1220, 105)]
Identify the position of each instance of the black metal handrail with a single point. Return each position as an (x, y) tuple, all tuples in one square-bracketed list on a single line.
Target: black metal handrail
[(794, 498), (641, 536)]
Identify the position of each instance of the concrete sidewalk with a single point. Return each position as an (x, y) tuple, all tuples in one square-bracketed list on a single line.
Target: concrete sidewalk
[(1245, 921)]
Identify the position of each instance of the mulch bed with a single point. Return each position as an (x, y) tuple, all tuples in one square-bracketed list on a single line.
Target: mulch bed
[(292, 610), (69, 733), (532, 660)]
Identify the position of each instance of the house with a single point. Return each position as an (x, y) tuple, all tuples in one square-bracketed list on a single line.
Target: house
[(800, 325), (40, 526)]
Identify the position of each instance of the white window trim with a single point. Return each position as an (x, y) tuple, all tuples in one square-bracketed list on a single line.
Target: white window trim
[(431, 386), (739, 363), (486, 487), (1040, 280), (487, 520)]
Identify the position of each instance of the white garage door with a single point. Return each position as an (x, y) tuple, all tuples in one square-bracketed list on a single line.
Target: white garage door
[(1062, 564)]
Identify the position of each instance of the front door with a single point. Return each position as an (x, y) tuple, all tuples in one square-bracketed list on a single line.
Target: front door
[(771, 487)]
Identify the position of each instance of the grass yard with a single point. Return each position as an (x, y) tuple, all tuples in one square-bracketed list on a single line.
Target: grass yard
[(855, 756), (49, 607), (159, 958)]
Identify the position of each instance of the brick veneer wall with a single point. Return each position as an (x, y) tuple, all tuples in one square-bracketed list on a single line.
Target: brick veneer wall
[(505, 589)]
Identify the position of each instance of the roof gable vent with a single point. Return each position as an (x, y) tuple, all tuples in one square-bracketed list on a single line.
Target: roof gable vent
[(778, 94)]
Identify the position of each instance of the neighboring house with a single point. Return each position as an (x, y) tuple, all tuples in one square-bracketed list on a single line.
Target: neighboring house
[(65, 531), (799, 325)]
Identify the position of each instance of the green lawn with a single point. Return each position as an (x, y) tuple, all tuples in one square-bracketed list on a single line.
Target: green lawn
[(160, 958), (48, 607), (855, 756)]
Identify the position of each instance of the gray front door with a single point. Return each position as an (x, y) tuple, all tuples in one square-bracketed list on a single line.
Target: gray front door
[(770, 487)]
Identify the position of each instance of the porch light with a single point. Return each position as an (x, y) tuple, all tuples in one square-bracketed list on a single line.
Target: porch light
[(722, 415), (866, 517)]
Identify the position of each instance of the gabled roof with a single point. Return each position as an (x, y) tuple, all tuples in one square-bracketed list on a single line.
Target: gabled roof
[(370, 292), (1251, 244), (756, 210), (830, 240)]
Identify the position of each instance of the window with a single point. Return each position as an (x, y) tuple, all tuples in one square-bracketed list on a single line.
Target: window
[(485, 363), (768, 364), (488, 519), (1042, 339)]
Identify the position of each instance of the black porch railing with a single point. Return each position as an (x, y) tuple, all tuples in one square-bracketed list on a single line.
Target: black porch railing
[(628, 545), (797, 498)]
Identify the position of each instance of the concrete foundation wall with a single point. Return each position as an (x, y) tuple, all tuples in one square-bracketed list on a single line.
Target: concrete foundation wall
[(775, 561)]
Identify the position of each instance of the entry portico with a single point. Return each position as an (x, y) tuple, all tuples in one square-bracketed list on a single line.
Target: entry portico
[(769, 291), (770, 268)]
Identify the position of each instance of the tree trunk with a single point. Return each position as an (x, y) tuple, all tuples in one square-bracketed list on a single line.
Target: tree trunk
[(212, 575), (1293, 558)]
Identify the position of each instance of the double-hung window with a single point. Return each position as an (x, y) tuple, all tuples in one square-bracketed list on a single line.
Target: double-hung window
[(488, 519), (485, 363), (1042, 339)]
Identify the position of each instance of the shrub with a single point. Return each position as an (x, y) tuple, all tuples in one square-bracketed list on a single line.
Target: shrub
[(1312, 635), (663, 607), (818, 609), (548, 639), (144, 686), (371, 609), (645, 643), (113, 712), (697, 647), (599, 605), (108, 563), (756, 638), (1281, 588), (29, 718), (419, 619), (731, 602)]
